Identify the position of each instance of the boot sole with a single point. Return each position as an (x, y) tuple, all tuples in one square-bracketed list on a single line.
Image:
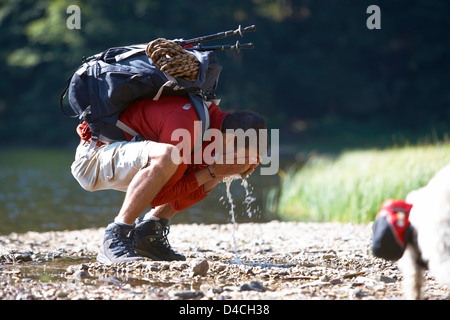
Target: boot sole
[(154, 258), (148, 255), (103, 259)]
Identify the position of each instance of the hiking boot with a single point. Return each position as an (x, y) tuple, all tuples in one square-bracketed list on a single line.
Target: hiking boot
[(152, 242), (118, 245)]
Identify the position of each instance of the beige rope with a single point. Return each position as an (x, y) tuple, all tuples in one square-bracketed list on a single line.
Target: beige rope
[(172, 59)]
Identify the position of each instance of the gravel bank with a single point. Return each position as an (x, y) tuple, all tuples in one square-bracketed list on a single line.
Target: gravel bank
[(276, 260)]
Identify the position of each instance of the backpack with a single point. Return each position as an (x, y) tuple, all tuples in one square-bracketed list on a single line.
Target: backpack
[(106, 83), (392, 230)]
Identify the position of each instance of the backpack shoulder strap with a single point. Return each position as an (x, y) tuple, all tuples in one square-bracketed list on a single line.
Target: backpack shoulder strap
[(61, 99), (203, 115), (127, 129)]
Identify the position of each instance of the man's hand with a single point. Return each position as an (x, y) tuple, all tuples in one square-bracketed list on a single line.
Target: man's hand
[(224, 169), (250, 170)]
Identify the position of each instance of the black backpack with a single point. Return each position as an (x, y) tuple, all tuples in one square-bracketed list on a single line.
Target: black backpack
[(106, 83)]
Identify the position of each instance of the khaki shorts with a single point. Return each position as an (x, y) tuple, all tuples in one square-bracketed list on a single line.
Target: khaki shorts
[(110, 166)]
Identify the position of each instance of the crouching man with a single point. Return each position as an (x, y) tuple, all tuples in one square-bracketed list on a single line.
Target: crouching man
[(157, 172)]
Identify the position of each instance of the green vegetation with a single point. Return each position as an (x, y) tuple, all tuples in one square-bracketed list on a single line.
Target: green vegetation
[(314, 61), (352, 186)]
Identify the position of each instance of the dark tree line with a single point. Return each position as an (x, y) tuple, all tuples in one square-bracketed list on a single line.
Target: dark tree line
[(313, 59)]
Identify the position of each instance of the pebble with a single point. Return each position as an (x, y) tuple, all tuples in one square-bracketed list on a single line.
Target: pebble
[(185, 295), (386, 279), (252, 285), (357, 293), (79, 274), (199, 267), (335, 281), (61, 294), (275, 260)]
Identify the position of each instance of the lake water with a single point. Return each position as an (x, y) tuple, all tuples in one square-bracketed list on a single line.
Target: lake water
[(38, 193)]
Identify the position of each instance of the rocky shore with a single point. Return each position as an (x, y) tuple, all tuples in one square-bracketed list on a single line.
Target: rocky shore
[(255, 261)]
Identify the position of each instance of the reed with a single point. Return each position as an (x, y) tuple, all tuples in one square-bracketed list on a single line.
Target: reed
[(352, 186)]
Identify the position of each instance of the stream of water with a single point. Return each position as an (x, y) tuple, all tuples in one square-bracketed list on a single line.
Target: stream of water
[(249, 199)]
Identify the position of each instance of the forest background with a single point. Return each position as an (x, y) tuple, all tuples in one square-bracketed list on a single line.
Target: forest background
[(317, 72)]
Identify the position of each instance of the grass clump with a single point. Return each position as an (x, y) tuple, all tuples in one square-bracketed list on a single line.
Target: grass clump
[(352, 186)]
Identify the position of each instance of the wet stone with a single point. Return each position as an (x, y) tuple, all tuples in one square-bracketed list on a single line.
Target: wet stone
[(386, 279), (252, 285), (305, 261), (186, 295), (199, 267)]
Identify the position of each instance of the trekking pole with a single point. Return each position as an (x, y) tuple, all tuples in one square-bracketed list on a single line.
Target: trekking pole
[(217, 35), (238, 46)]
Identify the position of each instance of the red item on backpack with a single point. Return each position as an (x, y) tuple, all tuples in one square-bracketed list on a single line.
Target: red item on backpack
[(391, 229)]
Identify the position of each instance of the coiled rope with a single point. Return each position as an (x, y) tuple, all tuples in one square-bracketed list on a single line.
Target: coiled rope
[(172, 59)]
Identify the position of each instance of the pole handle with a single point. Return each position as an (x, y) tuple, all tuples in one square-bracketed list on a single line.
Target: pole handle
[(219, 35), (238, 46)]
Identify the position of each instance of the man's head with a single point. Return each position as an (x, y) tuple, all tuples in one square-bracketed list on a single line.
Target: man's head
[(249, 130), (243, 119)]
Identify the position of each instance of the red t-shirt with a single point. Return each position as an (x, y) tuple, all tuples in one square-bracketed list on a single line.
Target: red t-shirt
[(156, 121)]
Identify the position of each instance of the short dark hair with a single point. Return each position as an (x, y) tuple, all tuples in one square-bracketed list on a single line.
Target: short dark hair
[(245, 120)]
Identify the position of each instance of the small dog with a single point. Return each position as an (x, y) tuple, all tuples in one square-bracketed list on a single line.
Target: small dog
[(429, 246)]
